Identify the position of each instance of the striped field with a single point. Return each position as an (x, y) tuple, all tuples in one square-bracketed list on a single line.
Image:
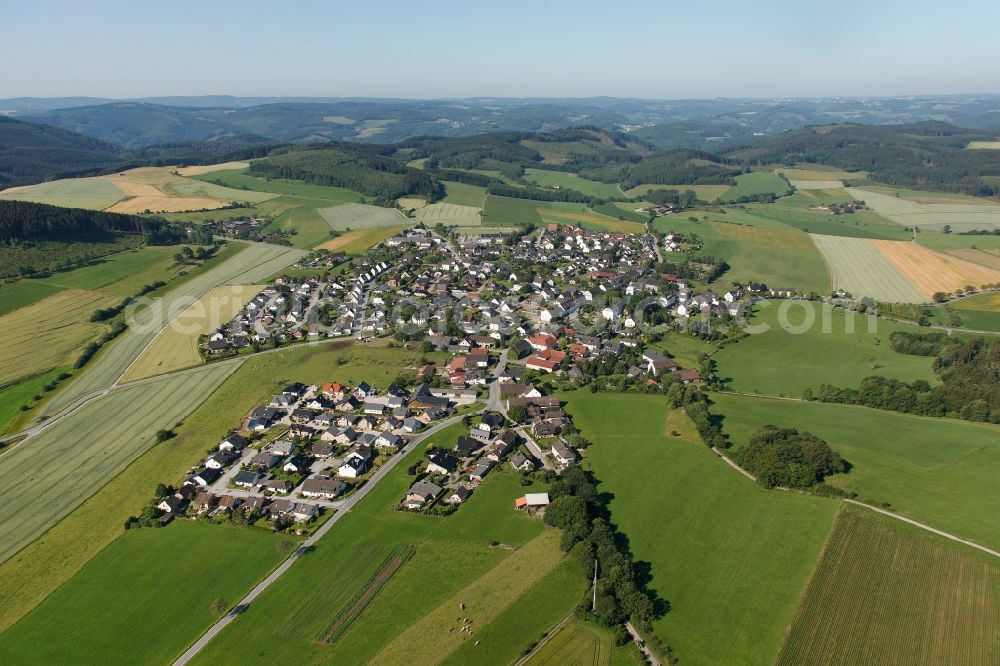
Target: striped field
[(857, 267)]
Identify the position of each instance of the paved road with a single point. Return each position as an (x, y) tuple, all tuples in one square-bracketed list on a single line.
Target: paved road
[(305, 546), (535, 449)]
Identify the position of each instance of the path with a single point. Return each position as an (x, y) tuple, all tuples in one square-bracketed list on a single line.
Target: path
[(540, 644), (308, 543), (650, 657)]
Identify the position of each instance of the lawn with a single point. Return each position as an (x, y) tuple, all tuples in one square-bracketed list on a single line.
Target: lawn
[(837, 348), (887, 592), (348, 216), (570, 181), (89, 193), (939, 471), (857, 267), (731, 558), (172, 574), (464, 195), (757, 182)]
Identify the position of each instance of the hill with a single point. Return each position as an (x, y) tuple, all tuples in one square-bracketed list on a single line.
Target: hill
[(30, 152)]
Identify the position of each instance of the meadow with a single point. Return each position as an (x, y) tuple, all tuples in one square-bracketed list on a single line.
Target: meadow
[(510, 212), (707, 193), (176, 346), (983, 145), (158, 189), (838, 348), (731, 558), (936, 240), (887, 592), (22, 393), (449, 214), (857, 267), (89, 193), (757, 182), (621, 211), (981, 313), (349, 216), (935, 470), (464, 195), (563, 214), (124, 606), (801, 211), (988, 258), (571, 181), (44, 478)]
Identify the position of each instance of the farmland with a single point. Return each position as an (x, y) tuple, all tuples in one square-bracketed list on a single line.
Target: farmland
[(510, 212), (886, 591), (464, 195), (50, 474), (838, 348), (801, 211), (758, 182), (936, 470), (981, 313), (707, 193), (89, 193), (582, 643), (172, 574), (200, 170), (176, 346), (449, 214), (858, 268), (349, 216), (571, 181), (158, 189), (22, 393), (731, 558), (983, 145), (359, 240), (959, 214), (935, 271)]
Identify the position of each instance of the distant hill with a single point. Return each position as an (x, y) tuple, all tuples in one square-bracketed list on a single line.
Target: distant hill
[(31, 153)]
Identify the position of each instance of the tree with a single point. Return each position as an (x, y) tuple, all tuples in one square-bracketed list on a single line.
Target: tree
[(164, 435), (219, 606), (517, 414), (161, 491)]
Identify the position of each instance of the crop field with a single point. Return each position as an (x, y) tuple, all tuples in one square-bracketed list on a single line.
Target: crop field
[(47, 476), (199, 170), (510, 212), (359, 240), (731, 558), (934, 271), (249, 266), (89, 193), (158, 189), (171, 573), (886, 592), (464, 195), (857, 267), (176, 346), (988, 258), (819, 175), (349, 216), (571, 181), (577, 643), (936, 240), (838, 348), (960, 214), (935, 470), (449, 214), (927, 197), (48, 333), (572, 214), (707, 193), (800, 211), (983, 145), (758, 182)]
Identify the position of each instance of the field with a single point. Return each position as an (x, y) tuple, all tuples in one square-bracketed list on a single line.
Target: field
[(960, 214), (936, 240), (817, 174), (621, 211), (935, 470), (51, 332), (801, 211), (22, 393), (707, 193), (571, 181), (171, 574), (990, 259), (838, 348), (983, 145), (581, 642), (449, 214), (731, 558), (176, 346), (758, 182), (572, 214), (47, 476), (934, 271), (981, 313), (857, 267), (199, 170), (510, 212), (158, 189), (464, 195), (89, 193), (886, 592), (354, 242), (348, 216)]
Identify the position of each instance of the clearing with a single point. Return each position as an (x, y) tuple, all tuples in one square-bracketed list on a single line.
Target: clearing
[(757, 182), (857, 267), (934, 271), (349, 216)]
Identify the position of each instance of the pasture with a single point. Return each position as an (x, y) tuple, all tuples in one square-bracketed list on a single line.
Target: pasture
[(936, 470), (122, 274), (355, 242), (464, 195), (887, 592), (621, 211), (124, 606), (510, 212), (933, 271), (757, 182), (857, 267), (707, 193), (935, 240), (731, 558), (45, 477), (89, 193), (350, 216), (801, 211), (570, 181), (22, 393), (176, 346), (960, 214), (449, 214), (837, 348)]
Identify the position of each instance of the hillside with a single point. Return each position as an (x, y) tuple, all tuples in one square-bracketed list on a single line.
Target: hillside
[(30, 152)]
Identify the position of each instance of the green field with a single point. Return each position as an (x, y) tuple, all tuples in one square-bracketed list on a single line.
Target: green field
[(980, 313), (621, 211), (89, 193), (22, 393), (887, 592), (122, 274), (583, 643), (570, 181), (939, 471), (800, 211), (348, 216), (510, 212), (936, 240), (757, 182), (731, 558), (838, 348), (145, 598), (448, 214), (464, 195), (707, 193), (858, 268)]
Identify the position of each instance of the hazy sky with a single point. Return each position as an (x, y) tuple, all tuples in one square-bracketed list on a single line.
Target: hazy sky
[(390, 48)]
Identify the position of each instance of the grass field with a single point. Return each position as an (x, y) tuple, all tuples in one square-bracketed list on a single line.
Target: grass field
[(572, 214), (348, 216), (621, 211), (801, 211), (44, 478), (121, 274), (581, 642), (571, 181), (51, 332), (89, 193), (731, 558), (707, 193), (159, 189), (176, 346), (938, 471), (22, 393), (817, 174), (836, 349), (936, 240), (171, 573), (932, 271), (981, 313), (355, 242), (961, 214), (464, 195), (990, 259), (510, 212), (757, 182), (886, 592), (857, 267), (449, 214)]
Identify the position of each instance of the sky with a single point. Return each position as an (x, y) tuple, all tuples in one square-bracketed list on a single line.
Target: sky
[(393, 48)]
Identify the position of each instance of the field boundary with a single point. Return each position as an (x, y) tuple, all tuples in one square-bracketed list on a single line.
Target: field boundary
[(548, 636)]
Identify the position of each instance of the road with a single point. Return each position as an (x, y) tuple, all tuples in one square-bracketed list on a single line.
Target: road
[(535, 449), (650, 657), (346, 506)]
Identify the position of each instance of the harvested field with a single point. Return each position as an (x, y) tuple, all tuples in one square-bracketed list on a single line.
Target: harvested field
[(987, 258), (176, 346), (411, 202), (857, 267), (165, 204), (47, 476), (209, 168), (983, 145), (449, 214), (159, 190), (89, 193), (959, 213), (350, 216), (934, 271), (889, 593), (48, 333), (817, 184), (361, 239)]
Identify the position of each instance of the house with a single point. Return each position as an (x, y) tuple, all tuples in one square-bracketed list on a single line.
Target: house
[(276, 486), (388, 440), (480, 471), (466, 446), (690, 376), (228, 503), (492, 422), (303, 512), (541, 341), (412, 425), (522, 348), (254, 504), (460, 495), (521, 462), (265, 460), (441, 462), (323, 487), (296, 464), (247, 479), (203, 502), (480, 434), (170, 504), (206, 477), (420, 494), (354, 465), (564, 455), (323, 450), (221, 459), (532, 502), (234, 442), (657, 363)]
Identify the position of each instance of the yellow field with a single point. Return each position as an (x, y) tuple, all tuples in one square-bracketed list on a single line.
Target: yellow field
[(595, 219), (437, 634), (209, 168), (360, 240), (985, 302), (48, 333), (822, 174), (160, 190), (932, 271), (411, 202), (704, 192), (983, 145), (176, 346)]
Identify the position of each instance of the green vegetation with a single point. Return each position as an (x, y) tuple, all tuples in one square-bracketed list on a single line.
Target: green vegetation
[(174, 576), (749, 186), (448, 215), (30, 153), (464, 195), (937, 240), (857, 267), (621, 211), (13, 398), (571, 181), (581, 642), (787, 458), (731, 557), (981, 313), (359, 216), (887, 590), (509, 212), (88, 193)]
